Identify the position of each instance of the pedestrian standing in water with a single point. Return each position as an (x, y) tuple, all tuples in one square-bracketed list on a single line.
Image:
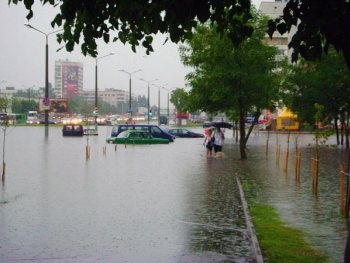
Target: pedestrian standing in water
[(208, 142), (218, 142)]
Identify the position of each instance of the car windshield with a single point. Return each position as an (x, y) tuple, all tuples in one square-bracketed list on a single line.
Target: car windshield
[(156, 130), (123, 134)]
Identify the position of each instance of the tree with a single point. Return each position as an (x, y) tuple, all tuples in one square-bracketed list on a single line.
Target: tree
[(320, 24), (135, 21), (179, 97), (324, 82), (234, 80), (4, 102)]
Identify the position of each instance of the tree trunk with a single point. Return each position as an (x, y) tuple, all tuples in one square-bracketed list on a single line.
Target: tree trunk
[(347, 134), (242, 139), (336, 130)]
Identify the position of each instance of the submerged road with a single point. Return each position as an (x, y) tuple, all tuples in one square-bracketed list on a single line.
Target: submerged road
[(140, 203)]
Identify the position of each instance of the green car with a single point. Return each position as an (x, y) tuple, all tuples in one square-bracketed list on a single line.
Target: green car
[(136, 137)]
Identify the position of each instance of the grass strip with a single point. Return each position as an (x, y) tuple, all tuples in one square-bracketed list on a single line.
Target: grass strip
[(280, 243)]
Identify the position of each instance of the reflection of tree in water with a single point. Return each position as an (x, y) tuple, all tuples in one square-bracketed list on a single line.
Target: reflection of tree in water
[(217, 221)]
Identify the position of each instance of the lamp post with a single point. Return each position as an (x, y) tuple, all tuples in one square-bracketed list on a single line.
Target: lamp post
[(168, 110), (161, 86), (148, 82), (46, 99), (96, 88), (130, 73)]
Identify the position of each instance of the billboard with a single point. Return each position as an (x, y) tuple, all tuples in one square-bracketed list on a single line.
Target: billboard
[(70, 80), (56, 105)]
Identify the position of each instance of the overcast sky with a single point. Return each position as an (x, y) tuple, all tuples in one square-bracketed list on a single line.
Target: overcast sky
[(22, 57)]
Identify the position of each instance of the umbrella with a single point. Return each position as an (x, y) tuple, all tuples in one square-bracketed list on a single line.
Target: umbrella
[(219, 124)]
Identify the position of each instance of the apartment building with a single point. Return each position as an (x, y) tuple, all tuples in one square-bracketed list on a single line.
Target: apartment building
[(110, 96), (274, 10)]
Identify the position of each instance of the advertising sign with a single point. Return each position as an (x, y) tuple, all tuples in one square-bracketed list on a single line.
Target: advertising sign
[(56, 105), (70, 78)]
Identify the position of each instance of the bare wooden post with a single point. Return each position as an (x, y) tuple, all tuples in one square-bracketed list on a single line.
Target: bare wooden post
[(87, 152), (314, 174), (347, 202), (317, 172), (341, 190), (3, 172), (286, 161), (278, 155), (267, 143), (287, 154), (297, 166)]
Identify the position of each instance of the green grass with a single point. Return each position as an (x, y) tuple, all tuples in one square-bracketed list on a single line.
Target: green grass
[(280, 243)]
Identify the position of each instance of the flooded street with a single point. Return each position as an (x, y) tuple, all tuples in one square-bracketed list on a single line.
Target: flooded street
[(154, 203), (143, 203)]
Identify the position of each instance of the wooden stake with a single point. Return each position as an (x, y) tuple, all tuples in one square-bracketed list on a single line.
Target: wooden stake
[(341, 190), (278, 155), (87, 152)]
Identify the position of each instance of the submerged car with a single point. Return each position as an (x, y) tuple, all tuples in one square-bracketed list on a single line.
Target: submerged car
[(154, 130), (136, 137), (184, 133), (72, 130)]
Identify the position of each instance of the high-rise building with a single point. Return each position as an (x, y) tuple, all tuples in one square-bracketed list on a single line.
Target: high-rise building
[(68, 79), (274, 10)]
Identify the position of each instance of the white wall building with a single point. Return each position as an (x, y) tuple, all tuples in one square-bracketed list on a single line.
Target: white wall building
[(111, 96), (274, 10)]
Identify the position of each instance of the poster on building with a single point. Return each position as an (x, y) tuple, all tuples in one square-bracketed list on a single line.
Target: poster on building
[(59, 105), (70, 79), (56, 105)]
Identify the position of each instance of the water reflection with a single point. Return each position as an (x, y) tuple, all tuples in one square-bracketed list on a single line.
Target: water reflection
[(154, 203), (217, 217), (318, 215), (145, 203)]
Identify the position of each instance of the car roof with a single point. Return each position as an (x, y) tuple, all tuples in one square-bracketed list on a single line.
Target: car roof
[(138, 131), (138, 125)]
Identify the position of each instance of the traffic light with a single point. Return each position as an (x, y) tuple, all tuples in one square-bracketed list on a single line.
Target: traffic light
[(95, 112)]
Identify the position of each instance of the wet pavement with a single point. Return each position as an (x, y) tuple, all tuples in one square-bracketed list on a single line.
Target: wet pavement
[(142, 203)]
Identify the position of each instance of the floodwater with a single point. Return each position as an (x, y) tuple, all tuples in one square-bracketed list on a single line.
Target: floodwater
[(143, 203), (155, 203), (274, 183)]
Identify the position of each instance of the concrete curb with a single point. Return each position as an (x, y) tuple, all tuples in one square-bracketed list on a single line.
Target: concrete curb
[(250, 227)]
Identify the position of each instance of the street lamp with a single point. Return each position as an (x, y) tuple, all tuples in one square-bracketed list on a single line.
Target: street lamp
[(96, 88), (167, 102), (46, 99), (148, 82), (130, 73), (161, 86)]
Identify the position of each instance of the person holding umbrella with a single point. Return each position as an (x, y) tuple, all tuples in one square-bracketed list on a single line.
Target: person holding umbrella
[(218, 142)]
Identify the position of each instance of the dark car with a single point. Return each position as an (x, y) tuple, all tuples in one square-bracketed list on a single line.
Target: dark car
[(49, 121), (184, 133), (72, 130), (154, 130), (163, 120)]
